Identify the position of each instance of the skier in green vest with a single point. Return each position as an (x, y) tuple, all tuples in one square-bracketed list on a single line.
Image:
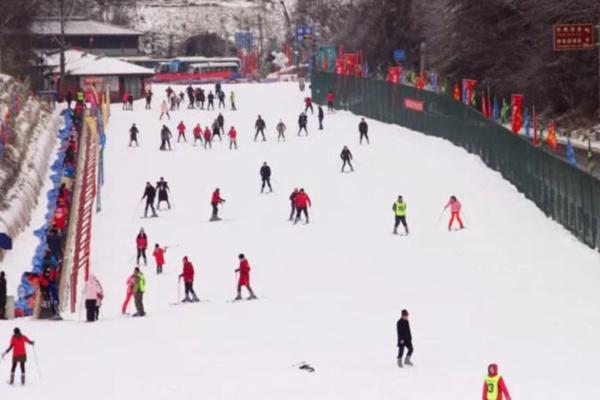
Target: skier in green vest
[(138, 292), (494, 387), (399, 209)]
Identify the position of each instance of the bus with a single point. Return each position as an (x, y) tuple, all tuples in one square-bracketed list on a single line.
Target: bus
[(197, 69)]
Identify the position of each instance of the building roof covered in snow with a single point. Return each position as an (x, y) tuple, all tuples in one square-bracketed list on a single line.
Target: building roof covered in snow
[(80, 27), (80, 63)]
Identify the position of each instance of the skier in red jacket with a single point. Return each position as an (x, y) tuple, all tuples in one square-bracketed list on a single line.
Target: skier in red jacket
[(232, 138), (17, 345), (494, 387), (141, 242), (188, 281), (214, 202), (197, 134), (181, 131), (330, 100), (308, 103), (302, 202), (207, 138), (244, 278), (159, 257)]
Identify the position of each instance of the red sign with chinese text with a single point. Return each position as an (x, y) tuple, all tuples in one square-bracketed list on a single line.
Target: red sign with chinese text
[(573, 37), (415, 105)]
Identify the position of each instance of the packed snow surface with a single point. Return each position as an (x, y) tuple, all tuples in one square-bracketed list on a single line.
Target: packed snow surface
[(513, 288)]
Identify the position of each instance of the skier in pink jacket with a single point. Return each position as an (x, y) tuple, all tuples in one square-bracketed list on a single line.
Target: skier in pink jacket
[(130, 286), (455, 206)]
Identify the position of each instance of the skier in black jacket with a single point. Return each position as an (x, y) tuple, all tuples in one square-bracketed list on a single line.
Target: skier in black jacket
[(165, 138), (346, 157), (404, 339), (149, 195), (363, 128), (133, 132), (163, 193), (302, 121), (265, 175), (321, 115), (211, 101), (260, 128), (293, 203), (221, 121)]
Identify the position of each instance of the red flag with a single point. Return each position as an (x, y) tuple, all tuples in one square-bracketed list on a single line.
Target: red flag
[(536, 139), (468, 91), (420, 84), (456, 92), (551, 138), (484, 106), (517, 117)]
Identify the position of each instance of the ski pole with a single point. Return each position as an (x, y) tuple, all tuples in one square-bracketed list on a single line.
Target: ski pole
[(178, 289), (37, 364), (465, 216), (440, 217)]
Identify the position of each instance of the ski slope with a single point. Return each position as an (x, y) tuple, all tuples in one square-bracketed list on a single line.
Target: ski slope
[(513, 288)]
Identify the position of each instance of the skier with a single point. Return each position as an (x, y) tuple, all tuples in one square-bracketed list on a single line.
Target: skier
[(302, 202), (17, 345), (141, 243), (159, 257), (211, 100), (221, 121), (330, 100), (129, 294), (197, 134), (188, 281), (232, 138), (164, 110), (280, 130), (293, 203), (494, 387), (221, 95), (165, 138), (130, 101), (190, 94), (207, 138), (138, 292), (133, 132), (69, 99), (404, 339), (308, 103), (163, 193), (399, 209), (346, 157), (260, 128), (148, 99), (321, 115), (2, 295), (363, 129), (302, 122), (125, 100), (181, 132), (93, 296), (149, 195), (244, 278), (216, 199), (216, 130), (201, 98), (169, 91), (232, 100), (455, 207), (265, 176)]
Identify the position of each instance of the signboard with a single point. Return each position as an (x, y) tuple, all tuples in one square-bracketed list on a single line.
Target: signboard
[(304, 34), (243, 40), (415, 105), (573, 37), (399, 55)]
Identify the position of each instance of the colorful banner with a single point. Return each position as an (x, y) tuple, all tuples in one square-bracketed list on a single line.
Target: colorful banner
[(517, 109), (468, 90), (551, 138)]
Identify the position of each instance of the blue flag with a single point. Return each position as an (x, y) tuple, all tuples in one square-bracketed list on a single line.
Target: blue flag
[(496, 111), (571, 153), (527, 123)]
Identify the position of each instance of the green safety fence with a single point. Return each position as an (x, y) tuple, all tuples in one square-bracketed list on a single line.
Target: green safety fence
[(563, 192)]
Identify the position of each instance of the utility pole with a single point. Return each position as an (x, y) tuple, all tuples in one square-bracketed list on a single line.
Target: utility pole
[(62, 40), (598, 45)]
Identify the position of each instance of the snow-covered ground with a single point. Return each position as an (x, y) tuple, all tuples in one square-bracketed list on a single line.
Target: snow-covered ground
[(513, 288)]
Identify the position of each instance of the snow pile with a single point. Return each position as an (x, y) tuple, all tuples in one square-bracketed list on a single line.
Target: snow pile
[(25, 160), (513, 288)]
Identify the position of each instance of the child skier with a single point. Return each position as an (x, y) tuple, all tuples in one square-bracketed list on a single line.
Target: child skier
[(164, 110), (197, 134), (494, 387), (163, 193), (232, 138), (159, 257), (363, 129), (293, 203), (399, 209), (133, 132), (455, 207), (280, 130), (308, 104), (330, 100), (265, 176), (244, 278), (207, 138), (17, 345), (346, 157), (129, 294), (260, 126), (302, 202), (188, 281)]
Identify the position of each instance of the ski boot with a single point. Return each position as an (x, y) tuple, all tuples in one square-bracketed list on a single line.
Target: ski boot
[(22, 379), (400, 362), (252, 297), (407, 361), (195, 299), (186, 299), (12, 379), (238, 297)]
